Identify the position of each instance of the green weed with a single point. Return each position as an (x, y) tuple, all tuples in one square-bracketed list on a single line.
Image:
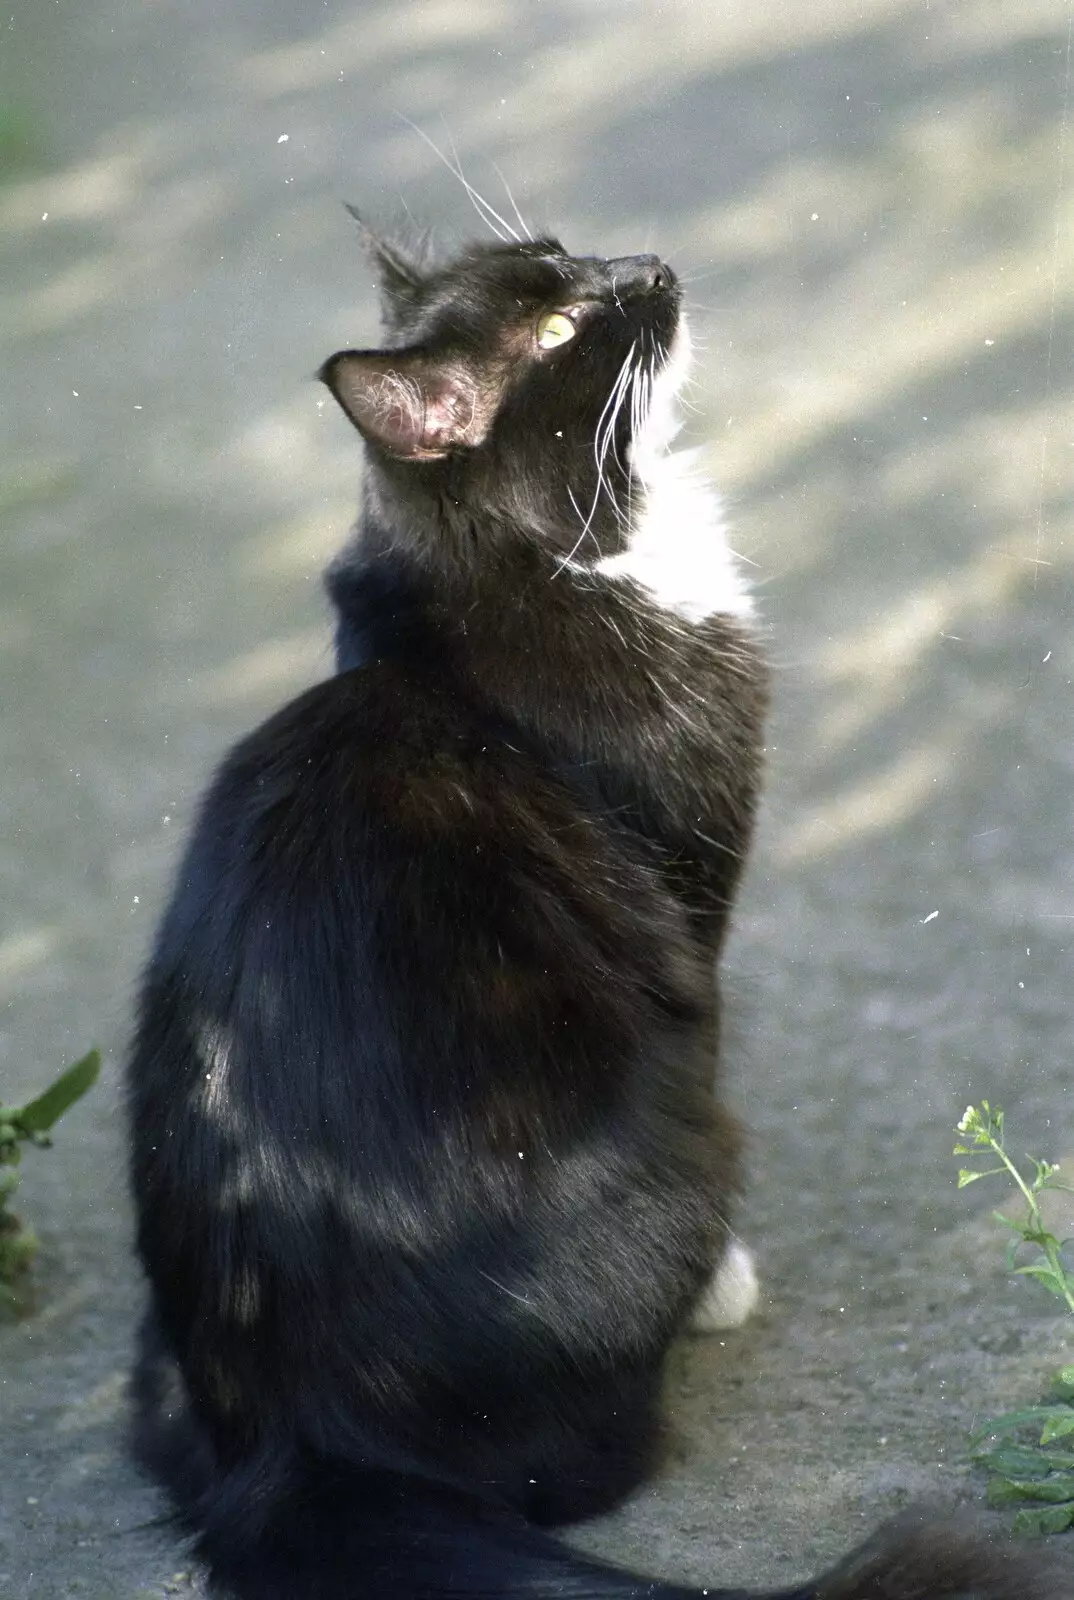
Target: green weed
[(1028, 1454), (30, 1124)]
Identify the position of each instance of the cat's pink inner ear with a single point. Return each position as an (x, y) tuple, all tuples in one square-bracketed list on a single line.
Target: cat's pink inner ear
[(454, 415), (384, 405), (407, 406)]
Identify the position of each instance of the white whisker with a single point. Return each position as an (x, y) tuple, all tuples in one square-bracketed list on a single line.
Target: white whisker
[(475, 195), (527, 232), (488, 214), (602, 442), (600, 450), (586, 532)]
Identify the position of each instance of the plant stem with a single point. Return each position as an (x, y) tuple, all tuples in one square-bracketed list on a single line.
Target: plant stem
[(1042, 1237)]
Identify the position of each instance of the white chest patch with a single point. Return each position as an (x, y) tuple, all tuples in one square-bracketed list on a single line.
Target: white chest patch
[(677, 548)]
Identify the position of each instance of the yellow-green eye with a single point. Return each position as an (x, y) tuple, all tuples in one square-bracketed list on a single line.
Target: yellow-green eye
[(554, 328)]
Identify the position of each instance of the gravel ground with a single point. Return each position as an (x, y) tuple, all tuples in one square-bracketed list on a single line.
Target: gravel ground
[(874, 205)]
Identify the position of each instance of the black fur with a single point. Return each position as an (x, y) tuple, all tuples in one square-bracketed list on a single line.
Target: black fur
[(428, 1164)]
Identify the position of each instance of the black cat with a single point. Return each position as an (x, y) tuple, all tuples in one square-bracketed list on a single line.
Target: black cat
[(427, 1158)]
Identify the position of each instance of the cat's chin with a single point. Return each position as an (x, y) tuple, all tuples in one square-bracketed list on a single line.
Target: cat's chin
[(663, 421)]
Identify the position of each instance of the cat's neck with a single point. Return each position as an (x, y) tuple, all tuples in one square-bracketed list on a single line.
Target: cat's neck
[(450, 525), (411, 587)]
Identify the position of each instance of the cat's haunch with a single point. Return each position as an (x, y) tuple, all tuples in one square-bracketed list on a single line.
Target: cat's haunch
[(427, 1146)]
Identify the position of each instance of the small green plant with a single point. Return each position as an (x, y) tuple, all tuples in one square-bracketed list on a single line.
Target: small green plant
[(1023, 1451), (30, 1124)]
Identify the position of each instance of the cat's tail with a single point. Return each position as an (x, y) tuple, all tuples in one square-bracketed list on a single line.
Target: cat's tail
[(338, 1532)]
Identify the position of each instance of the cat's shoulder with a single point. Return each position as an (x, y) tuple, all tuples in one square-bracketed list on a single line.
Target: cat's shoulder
[(384, 747), (356, 725)]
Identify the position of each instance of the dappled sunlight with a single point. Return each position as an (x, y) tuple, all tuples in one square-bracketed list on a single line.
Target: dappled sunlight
[(264, 673), (73, 293), (282, 450), (179, 210), (265, 471), (999, 468), (107, 186), (598, 71), (799, 198), (983, 25), (873, 667), (881, 803), (21, 952), (105, 1402), (587, 64), (146, 229), (916, 341), (295, 548), (371, 39)]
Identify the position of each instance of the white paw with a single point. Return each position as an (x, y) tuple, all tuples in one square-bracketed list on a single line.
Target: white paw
[(732, 1295)]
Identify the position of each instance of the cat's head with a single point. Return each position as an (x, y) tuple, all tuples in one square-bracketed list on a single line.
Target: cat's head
[(515, 383)]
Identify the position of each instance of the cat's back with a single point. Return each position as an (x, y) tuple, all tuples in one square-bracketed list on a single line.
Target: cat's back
[(404, 961), (378, 768), (382, 869)]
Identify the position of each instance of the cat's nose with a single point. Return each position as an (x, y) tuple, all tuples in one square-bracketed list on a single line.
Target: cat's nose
[(633, 275)]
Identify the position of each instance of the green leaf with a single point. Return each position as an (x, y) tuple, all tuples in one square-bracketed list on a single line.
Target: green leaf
[(1009, 1491), (1009, 1422), (1064, 1383), (1057, 1487), (1039, 1236), (18, 1246), (966, 1177), (1023, 1461), (1048, 1519), (39, 1115), (1048, 1276), (1059, 1426)]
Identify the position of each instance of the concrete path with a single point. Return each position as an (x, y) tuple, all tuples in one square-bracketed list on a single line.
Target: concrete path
[(874, 204)]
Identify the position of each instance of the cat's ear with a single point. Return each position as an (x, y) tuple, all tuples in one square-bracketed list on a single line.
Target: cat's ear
[(410, 404), (400, 277)]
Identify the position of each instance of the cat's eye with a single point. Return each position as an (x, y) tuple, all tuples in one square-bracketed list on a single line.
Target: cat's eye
[(553, 329)]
